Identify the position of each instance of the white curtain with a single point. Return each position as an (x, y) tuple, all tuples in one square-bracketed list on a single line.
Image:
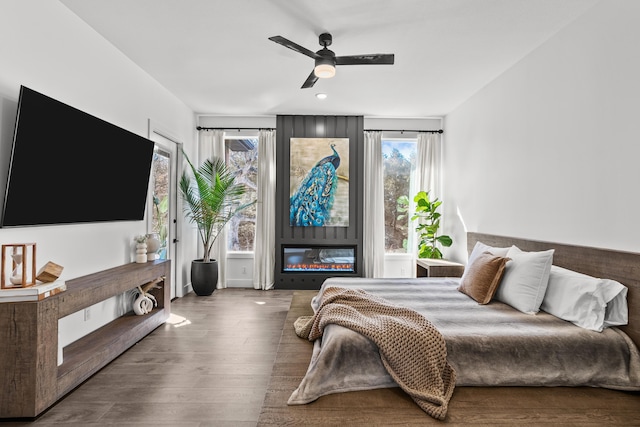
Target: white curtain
[(428, 164), (211, 144), (264, 242), (373, 221), (428, 169)]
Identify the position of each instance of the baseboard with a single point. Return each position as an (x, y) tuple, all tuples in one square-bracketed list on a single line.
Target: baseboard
[(239, 283)]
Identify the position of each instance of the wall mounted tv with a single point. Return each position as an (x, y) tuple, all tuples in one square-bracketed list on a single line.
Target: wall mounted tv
[(68, 166)]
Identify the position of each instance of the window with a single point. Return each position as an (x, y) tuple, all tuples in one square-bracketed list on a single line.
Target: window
[(160, 178), (398, 162), (242, 159)]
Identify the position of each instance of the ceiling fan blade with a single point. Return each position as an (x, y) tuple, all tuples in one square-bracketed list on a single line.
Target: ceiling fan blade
[(311, 80), (379, 58), (294, 46)]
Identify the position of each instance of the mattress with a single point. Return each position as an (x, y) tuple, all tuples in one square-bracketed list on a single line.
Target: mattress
[(487, 345)]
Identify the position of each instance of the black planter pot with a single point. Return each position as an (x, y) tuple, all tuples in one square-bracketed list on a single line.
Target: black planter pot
[(204, 276)]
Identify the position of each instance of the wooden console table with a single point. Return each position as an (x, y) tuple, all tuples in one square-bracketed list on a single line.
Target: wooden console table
[(427, 267), (30, 376)]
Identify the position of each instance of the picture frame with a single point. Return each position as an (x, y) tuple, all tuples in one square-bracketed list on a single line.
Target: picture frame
[(319, 182)]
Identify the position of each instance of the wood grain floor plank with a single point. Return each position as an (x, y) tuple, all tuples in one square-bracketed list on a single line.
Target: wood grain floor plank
[(233, 359), (209, 365)]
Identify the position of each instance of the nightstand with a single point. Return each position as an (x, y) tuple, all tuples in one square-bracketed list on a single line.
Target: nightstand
[(426, 267)]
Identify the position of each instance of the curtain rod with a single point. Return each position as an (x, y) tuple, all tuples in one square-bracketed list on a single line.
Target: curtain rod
[(231, 128), (404, 130), (370, 130)]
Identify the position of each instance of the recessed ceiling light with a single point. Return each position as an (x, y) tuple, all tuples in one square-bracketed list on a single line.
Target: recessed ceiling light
[(321, 95)]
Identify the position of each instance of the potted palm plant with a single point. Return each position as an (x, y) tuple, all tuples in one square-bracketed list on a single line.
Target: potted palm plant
[(212, 197), (427, 228)]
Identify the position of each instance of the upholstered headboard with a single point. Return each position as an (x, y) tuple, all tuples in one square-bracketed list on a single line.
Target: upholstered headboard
[(623, 267)]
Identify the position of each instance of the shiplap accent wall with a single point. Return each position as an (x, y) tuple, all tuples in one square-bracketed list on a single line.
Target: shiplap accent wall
[(299, 126)]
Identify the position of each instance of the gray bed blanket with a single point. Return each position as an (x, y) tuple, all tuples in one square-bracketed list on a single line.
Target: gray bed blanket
[(411, 349), (487, 345)]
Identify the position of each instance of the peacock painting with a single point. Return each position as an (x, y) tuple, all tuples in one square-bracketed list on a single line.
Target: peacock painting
[(313, 201)]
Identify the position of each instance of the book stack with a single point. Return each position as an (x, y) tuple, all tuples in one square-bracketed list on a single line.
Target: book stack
[(32, 293)]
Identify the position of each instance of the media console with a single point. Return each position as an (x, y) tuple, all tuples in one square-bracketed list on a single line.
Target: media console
[(30, 377)]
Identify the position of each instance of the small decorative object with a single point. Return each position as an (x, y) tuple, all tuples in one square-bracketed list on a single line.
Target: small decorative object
[(32, 293), (141, 248), (153, 244), (50, 272), (428, 226), (142, 305), (23, 262), (144, 301), (16, 274)]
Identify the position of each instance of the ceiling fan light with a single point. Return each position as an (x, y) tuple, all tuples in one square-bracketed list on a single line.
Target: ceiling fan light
[(324, 69)]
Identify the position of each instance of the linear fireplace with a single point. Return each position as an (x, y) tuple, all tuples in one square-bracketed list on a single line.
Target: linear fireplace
[(318, 259)]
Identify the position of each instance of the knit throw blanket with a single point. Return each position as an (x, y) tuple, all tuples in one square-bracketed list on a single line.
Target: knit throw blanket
[(412, 350)]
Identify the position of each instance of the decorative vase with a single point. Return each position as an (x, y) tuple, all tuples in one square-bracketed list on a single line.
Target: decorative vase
[(141, 253), (204, 276), (153, 244)]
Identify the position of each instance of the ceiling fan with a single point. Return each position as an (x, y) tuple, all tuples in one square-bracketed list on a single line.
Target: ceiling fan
[(326, 60)]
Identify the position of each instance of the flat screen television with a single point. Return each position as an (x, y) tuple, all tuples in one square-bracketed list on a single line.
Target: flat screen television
[(68, 166)]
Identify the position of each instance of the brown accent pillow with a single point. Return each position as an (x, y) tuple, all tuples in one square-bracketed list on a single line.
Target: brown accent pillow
[(482, 277)]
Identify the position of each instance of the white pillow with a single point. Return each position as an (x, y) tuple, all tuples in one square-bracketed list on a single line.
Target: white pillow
[(478, 249), (481, 248), (525, 279), (615, 296), (572, 296), (585, 301)]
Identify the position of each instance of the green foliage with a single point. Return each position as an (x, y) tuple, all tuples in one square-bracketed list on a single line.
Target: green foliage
[(212, 198), (402, 207), (397, 173), (241, 230), (427, 228), (162, 207)]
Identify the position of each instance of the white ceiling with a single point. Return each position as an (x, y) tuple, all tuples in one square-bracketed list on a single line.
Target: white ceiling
[(216, 57)]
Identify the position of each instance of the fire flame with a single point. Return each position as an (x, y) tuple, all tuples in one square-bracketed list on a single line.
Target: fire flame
[(325, 267)]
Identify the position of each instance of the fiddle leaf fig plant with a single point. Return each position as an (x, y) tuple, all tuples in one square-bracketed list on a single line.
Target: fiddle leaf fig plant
[(428, 224)]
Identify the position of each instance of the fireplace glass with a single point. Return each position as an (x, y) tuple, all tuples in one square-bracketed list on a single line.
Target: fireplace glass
[(318, 259)]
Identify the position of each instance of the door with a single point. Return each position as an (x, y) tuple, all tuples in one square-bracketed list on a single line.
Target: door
[(162, 206)]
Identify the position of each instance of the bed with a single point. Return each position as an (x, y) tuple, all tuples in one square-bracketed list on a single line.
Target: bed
[(487, 344)]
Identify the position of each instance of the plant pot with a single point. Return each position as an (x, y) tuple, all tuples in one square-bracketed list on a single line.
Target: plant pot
[(204, 276)]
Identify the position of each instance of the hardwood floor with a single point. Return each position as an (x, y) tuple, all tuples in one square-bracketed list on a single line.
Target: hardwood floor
[(213, 364), (208, 366)]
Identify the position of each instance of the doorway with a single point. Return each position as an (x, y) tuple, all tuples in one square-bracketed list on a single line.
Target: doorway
[(162, 205)]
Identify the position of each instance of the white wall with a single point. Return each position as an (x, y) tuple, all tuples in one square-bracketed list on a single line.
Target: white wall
[(237, 122), (47, 48), (549, 150), (370, 122)]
